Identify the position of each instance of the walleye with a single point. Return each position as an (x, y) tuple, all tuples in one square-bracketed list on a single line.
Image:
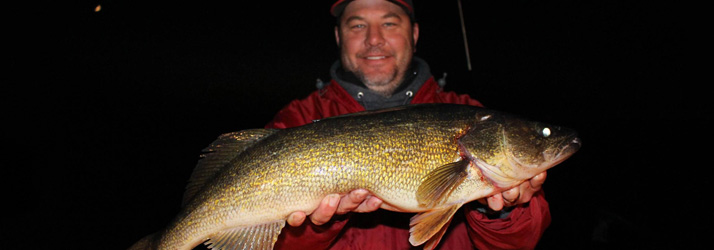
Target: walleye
[(428, 159)]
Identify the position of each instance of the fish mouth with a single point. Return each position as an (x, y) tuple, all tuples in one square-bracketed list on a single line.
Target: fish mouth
[(573, 146), (568, 148)]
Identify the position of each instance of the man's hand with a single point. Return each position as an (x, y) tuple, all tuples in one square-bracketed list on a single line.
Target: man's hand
[(517, 195), (359, 200)]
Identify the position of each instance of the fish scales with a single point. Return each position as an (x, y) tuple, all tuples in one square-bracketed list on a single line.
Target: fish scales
[(391, 153), (321, 169)]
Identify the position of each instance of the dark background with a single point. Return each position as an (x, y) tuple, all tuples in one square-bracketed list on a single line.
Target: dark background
[(123, 100)]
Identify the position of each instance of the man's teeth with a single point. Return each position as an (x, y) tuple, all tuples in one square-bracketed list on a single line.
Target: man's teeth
[(376, 57)]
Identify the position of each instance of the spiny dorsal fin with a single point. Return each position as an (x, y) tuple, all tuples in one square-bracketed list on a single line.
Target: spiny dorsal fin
[(219, 153), (440, 182), (366, 112), (430, 226), (258, 237)]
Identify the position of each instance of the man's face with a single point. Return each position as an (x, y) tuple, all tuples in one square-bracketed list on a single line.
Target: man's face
[(377, 40)]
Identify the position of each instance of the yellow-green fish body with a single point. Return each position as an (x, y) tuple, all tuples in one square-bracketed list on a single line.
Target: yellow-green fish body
[(428, 159)]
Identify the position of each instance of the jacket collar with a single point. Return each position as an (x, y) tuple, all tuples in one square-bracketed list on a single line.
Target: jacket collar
[(417, 74)]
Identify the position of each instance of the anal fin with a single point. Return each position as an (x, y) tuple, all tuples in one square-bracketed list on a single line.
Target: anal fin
[(430, 226), (256, 237)]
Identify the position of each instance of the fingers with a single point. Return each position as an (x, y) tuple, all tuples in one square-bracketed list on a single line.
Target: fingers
[(370, 204), (325, 210), (517, 195), (358, 200), (537, 181), (351, 201), (524, 192), (511, 196), (296, 219), (495, 202)]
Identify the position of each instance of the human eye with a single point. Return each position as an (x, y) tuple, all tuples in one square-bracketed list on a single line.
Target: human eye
[(391, 20), (356, 26)]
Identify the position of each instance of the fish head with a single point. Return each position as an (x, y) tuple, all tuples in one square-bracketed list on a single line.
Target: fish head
[(509, 150)]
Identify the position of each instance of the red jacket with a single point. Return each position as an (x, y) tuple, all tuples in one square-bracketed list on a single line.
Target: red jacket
[(390, 230)]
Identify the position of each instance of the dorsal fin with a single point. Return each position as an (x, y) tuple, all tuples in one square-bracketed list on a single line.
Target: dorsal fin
[(365, 113), (218, 154)]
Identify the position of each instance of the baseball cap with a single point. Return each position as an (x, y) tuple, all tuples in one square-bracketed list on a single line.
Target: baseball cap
[(339, 7)]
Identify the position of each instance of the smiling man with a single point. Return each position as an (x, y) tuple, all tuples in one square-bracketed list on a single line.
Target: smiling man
[(377, 42), (377, 69)]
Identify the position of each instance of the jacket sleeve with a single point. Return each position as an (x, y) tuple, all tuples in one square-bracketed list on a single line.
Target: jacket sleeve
[(293, 115), (331, 101), (520, 230)]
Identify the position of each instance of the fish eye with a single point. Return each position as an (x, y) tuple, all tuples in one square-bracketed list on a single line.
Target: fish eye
[(545, 132)]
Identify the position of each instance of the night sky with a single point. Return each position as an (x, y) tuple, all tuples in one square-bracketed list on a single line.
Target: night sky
[(121, 102)]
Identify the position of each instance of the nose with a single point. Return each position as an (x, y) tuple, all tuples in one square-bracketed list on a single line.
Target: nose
[(374, 36)]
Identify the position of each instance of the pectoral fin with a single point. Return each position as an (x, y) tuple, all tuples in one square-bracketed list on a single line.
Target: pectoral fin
[(430, 226), (440, 182), (256, 237)]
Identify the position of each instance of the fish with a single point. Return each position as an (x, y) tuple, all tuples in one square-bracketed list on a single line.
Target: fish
[(427, 159)]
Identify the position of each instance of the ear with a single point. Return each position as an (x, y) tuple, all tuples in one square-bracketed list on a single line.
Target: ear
[(415, 34), (337, 35)]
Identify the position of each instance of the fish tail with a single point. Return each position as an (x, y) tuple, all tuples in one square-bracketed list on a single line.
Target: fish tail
[(146, 243)]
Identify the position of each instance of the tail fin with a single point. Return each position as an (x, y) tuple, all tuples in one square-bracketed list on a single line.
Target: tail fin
[(146, 243)]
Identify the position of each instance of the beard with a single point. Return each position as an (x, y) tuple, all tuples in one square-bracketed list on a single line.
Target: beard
[(383, 81)]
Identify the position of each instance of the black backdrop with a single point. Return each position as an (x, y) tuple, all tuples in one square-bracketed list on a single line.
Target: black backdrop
[(124, 99)]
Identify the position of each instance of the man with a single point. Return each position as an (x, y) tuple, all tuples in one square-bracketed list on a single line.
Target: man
[(377, 69)]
